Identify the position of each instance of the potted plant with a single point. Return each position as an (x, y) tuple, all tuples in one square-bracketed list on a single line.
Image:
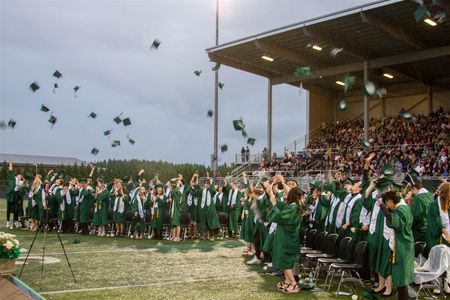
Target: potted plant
[(9, 252)]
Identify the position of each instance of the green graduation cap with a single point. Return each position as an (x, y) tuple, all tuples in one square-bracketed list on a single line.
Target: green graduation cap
[(12, 123), (67, 178), (57, 74), (224, 148), (383, 183), (405, 115), (75, 90), (131, 141), (210, 113), (55, 86), (388, 171), (61, 175), (364, 143), (116, 143), (421, 13), (343, 105), (302, 71), (220, 85), (93, 115), (244, 133), (348, 180), (198, 72), (155, 44), (107, 132), (251, 141), (94, 151), (44, 108), (411, 177), (82, 179), (369, 88), (52, 120), (126, 122), (349, 82), (238, 125), (316, 185), (76, 241), (117, 119), (34, 86), (29, 175)]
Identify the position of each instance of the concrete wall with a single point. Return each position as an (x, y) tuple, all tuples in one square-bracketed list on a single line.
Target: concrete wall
[(320, 110)]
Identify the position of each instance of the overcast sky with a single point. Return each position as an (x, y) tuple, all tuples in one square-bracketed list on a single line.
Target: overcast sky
[(103, 46)]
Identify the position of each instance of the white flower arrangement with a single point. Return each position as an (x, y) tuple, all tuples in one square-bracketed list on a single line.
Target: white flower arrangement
[(9, 246)]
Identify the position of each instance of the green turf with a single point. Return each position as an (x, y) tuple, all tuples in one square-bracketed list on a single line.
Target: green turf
[(144, 269)]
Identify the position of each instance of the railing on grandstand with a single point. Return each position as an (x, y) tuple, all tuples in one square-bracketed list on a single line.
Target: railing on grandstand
[(250, 158)]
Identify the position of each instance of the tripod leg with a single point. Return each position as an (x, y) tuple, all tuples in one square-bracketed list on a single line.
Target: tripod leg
[(28, 254), (65, 254)]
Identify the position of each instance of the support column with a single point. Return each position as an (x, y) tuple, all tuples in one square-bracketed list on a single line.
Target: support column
[(366, 104), (269, 118)]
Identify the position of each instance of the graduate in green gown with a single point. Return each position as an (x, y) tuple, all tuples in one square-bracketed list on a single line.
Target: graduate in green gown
[(158, 211), (138, 214), (55, 202), (66, 206), (286, 245), (209, 222), (121, 201), (193, 194), (175, 209), (85, 202), (438, 227), (101, 208), (352, 213), (399, 217), (318, 208), (419, 199), (234, 208), (34, 195)]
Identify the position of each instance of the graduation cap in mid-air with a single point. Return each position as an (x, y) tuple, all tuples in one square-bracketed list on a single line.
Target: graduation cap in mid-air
[(251, 141), (224, 148), (126, 122), (405, 115), (93, 115), (155, 44), (12, 123), (117, 119), (3, 124), (364, 143), (75, 90), (55, 86), (28, 175), (131, 141), (369, 88), (44, 108), (198, 72), (57, 74), (115, 143), (94, 151), (107, 132), (210, 113), (52, 120), (388, 171), (421, 13), (343, 105), (244, 133), (238, 125), (302, 71), (335, 51), (220, 85), (34, 86), (349, 81)]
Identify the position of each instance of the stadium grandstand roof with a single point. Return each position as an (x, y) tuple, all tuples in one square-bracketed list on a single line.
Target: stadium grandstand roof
[(384, 34), (20, 159)]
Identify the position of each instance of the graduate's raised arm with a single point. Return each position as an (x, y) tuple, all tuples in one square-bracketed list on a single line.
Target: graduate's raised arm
[(92, 171)]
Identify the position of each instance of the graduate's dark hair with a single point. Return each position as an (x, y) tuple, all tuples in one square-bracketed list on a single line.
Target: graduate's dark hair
[(391, 195), (294, 196)]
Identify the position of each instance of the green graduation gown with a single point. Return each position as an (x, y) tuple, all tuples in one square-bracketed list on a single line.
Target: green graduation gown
[(286, 244), (101, 208), (85, 203), (207, 209), (403, 256), (175, 206), (159, 211), (234, 207), (419, 208)]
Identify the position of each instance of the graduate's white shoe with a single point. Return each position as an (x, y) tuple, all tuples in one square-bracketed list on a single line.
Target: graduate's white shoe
[(7, 224), (254, 261)]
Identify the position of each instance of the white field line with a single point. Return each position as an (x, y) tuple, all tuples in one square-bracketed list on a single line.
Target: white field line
[(147, 284), (105, 251)]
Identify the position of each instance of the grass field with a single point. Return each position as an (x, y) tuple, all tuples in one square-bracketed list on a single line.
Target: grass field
[(120, 268)]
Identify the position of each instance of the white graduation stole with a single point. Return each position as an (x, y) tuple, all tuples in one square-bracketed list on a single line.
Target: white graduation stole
[(312, 215), (445, 220), (335, 200), (232, 197), (350, 207), (189, 199), (119, 205), (44, 200), (140, 206), (206, 198), (389, 233), (80, 197), (341, 211), (375, 211)]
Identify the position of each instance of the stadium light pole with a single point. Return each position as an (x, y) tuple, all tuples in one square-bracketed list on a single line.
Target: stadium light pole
[(216, 99)]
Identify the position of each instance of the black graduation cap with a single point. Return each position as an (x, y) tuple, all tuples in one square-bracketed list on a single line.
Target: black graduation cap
[(57, 74), (220, 85), (75, 90), (116, 143), (117, 119), (3, 124), (44, 108), (251, 141), (131, 141), (126, 122), (155, 44), (198, 72), (107, 132), (210, 113), (94, 151), (34, 86), (244, 133), (12, 123), (52, 120), (93, 115), (224, 148), (55, 86)]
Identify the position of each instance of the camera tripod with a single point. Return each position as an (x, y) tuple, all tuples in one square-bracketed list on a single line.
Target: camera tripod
[(46, 227)]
